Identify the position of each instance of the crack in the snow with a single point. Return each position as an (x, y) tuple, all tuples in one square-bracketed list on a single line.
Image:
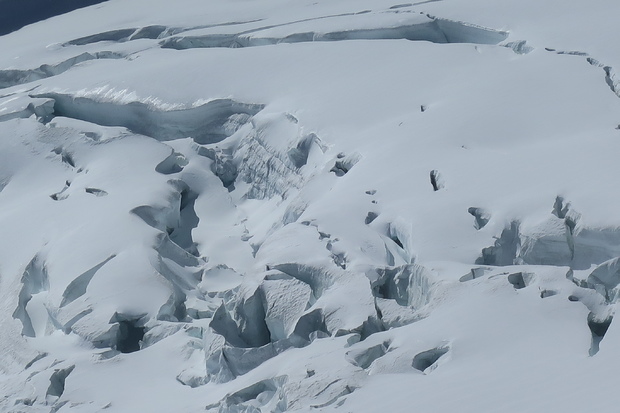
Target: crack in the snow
[(610, 74), (204, 123), (13, 77), (427, 28), (147, 32)]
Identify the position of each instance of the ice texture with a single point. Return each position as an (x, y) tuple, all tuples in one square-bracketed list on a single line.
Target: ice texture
[(289, 207)]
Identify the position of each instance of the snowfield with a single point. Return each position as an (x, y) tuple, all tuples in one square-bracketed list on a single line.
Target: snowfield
[(289, 206)]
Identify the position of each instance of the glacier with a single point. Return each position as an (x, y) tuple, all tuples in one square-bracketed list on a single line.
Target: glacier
[(310, 206)]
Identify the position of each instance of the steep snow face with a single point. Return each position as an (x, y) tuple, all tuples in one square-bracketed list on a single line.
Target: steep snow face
[(310, 206)]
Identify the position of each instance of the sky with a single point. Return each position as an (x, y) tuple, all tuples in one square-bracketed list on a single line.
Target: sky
[(15, 14)]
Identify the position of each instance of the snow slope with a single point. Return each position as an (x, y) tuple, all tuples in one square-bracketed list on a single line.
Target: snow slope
[(310, 206)]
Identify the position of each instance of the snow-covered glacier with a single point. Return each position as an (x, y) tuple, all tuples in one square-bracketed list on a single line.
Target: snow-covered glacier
[(310, 206)]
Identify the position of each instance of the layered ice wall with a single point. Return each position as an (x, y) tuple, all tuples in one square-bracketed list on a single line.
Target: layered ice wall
[(307, 207)]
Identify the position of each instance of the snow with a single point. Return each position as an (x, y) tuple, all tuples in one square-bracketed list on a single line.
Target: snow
[(310, 206)]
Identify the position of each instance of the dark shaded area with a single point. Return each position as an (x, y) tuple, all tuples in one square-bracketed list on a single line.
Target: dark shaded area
[(482, 217), (344, 163), (129, 336), (517, 280), (393, 284), (397, 241), (205, 123), (370, 217), (505, 249), (310, 323), (15, 14), (223, 165), (425, 359), (598, 328), (548, 293), (57, 381), (435, 182), (182, 235), (111, 36), (299, 155), (365, 358), (560, 208), (34, 280), (244, 325), (339, 168), (12, 77), (472, 275), (435, 30)]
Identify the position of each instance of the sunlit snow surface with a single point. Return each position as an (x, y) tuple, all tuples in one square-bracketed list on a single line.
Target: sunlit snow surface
[(273, 206)]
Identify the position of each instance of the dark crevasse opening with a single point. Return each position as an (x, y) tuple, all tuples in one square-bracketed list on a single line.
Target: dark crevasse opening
[(598, 328), (15, 14), (425, 359), (57, 381), (129, 336)]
